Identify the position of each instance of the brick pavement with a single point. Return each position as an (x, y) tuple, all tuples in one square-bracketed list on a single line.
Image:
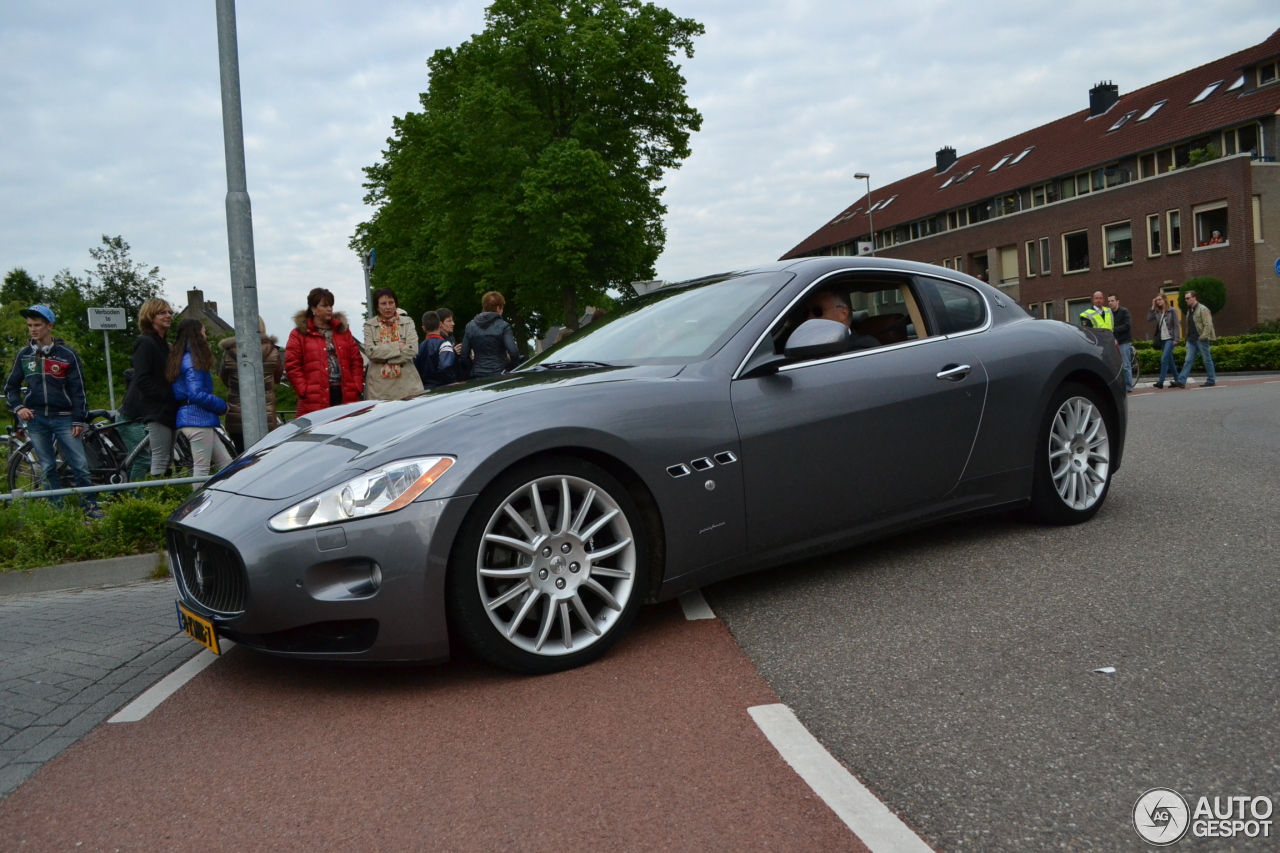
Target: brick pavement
[(69, 660)]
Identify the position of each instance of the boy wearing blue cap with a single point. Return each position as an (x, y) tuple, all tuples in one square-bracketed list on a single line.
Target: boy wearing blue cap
[(54, 406)]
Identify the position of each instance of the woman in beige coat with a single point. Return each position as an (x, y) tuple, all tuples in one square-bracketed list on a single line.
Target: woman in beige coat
[(272, 370), (390, 343)]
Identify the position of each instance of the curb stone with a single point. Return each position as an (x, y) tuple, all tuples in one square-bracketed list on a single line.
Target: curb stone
[(89, 573)]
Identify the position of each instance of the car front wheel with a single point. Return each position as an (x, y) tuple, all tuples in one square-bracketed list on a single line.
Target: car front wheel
[(1073, 457), (550, 567)]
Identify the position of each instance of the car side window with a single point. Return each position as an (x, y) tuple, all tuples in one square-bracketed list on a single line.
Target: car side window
[(880, 311), (955, 308)]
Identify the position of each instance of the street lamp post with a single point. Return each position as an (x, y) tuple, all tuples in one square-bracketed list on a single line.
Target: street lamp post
[(871, 222)]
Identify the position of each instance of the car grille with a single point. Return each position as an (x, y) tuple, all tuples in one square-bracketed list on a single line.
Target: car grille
[(210, 573)]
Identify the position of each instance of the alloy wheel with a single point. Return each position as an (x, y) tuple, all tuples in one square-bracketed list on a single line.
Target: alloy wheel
[(1079, 453)]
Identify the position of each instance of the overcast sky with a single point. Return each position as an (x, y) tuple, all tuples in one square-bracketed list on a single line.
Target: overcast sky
[(110, 117)]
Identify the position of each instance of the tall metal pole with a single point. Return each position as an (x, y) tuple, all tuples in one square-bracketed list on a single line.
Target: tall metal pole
[(871, 222), (244, 276), (111, 385)]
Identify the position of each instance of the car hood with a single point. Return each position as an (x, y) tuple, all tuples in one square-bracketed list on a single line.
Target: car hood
[(308, 451)]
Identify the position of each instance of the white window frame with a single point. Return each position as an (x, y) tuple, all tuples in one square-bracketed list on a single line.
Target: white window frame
[(1168, 234), (1195, 224), (1257, 220), (1105, 244), (1065, 254), (1032, 261), (1154, 217), (1071, 303), (946, 262), (1258, 73), (1046, 259)]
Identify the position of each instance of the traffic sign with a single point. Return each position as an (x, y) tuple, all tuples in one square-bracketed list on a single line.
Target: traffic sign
[(106, 319)]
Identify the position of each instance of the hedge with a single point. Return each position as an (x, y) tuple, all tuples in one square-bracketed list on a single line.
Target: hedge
[(1233, 339), (1250, 355)]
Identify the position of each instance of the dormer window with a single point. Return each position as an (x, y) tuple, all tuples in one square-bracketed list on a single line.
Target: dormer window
[(1208, 90), (1016, 160), (1268, 73), (1120, 121), (1000, 162), (1152, 110)]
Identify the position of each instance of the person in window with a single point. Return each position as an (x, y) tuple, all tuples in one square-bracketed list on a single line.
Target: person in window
[(1215, 238), (826, 305)]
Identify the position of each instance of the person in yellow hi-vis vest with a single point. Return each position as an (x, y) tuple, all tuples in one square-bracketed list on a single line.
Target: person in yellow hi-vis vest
[(1099, 316)]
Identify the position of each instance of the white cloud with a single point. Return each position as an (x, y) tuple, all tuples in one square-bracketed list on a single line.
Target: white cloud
[(111, 117)]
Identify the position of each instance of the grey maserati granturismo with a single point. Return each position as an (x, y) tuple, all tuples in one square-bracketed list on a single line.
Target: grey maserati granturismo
[(699, 431)]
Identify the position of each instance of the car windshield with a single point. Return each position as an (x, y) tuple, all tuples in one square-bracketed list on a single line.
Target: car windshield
[(678, 324)]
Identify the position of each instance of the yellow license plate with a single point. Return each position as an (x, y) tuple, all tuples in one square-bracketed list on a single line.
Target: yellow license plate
[(198, 628)]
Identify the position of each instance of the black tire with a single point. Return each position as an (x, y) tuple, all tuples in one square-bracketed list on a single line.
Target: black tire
[(1069, 486), (536, 598)]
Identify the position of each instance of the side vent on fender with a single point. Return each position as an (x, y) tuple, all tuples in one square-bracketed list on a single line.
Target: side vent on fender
[(678, 471)]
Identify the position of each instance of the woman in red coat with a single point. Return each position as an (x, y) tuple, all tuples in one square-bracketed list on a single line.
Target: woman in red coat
[(322, 358)]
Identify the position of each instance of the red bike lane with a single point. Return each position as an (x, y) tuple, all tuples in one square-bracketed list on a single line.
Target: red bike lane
[(651, 747)]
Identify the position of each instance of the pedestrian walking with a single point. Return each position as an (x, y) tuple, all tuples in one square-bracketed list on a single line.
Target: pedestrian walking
[(322, 358), (436, 361), (391, 343), (1164, 336), (149, 400), (1097, 315), (272, 371), (1122, 328), (1199, 335), (54, 407), (190, 366), (488, 341)]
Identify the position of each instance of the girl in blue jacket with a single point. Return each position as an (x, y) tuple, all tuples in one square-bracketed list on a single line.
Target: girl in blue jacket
[(190, 363)]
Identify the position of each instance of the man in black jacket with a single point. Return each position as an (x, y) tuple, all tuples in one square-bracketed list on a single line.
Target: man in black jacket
[(54, 407), (1122, 328)]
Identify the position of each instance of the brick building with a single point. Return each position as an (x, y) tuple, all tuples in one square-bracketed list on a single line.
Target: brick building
[(1132, 196)]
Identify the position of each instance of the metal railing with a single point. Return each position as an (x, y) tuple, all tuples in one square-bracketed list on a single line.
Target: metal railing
[(19, 494)]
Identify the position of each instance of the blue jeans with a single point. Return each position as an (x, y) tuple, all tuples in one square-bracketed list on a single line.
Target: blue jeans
[(1203, 346), (1167, 365), (44, 430), (1126, 359)]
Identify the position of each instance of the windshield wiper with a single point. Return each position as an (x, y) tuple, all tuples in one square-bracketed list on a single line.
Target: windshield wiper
[(572, 365)]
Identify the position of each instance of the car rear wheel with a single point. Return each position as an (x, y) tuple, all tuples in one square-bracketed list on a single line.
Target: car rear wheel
[(550, 567), (1073, 457)]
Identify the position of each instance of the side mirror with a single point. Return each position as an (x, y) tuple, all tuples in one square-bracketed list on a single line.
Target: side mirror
[(818, 338)]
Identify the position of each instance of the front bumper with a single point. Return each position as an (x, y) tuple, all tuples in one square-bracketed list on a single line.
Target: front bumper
[(371, 589)]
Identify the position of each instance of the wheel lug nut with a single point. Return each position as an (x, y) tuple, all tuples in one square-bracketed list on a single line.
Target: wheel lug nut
[(559, 583), (546, 552), (574, 567), (565, 548), (542, 574)]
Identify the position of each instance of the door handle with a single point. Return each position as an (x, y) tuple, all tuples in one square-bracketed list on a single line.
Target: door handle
[(955, 372)]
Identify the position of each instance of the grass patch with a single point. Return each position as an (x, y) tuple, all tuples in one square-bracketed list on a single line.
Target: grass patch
[(35, 533)]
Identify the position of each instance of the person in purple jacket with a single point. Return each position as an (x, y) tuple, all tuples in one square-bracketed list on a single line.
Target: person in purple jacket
[(190, 366)]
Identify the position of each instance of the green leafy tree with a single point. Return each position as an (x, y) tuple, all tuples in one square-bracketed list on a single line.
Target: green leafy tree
[(1209, 290), (534, 167), (20, 287)]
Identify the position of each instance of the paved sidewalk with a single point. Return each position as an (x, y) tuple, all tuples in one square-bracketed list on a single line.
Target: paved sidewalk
[(68, 660)]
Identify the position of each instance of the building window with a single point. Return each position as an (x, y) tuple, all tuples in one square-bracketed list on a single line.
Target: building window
[(1068, 187), (1147, 166), (1175, 232), (1033, 308), (1082, 183), (1032, 260), (1257, 219), (957, 265), (946, 262), (1151, 110), (1045, 266), (1164, 161), (1048, 310), (1119, 122), (1076, 307), (1211, 225), (1075, 251), (1009, 264), (1118, 238), (1268, 73), (1206, 92), (1153, 235)]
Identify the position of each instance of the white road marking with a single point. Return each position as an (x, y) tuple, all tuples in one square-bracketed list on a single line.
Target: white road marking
[(695, 606), (870, 819), (167, 686)]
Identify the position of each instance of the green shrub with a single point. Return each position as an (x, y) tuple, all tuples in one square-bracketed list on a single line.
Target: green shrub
[(1230, 339), (1209, 290), (1252, 355), (36, 533), (137, 524), (1269, 327)]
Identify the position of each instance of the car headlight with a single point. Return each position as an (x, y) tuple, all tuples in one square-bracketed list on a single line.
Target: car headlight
[(384, 489)]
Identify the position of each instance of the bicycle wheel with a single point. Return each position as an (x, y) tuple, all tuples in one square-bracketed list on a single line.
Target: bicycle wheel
[(24, 470)]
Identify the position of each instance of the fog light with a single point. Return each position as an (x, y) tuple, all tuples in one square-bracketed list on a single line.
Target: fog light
[(375, 577)]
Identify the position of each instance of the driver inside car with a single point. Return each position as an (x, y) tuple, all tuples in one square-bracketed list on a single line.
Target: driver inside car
[(826, 305)]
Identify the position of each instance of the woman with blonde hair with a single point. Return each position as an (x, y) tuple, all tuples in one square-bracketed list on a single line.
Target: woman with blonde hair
[(149, 398), (1165, 335)]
